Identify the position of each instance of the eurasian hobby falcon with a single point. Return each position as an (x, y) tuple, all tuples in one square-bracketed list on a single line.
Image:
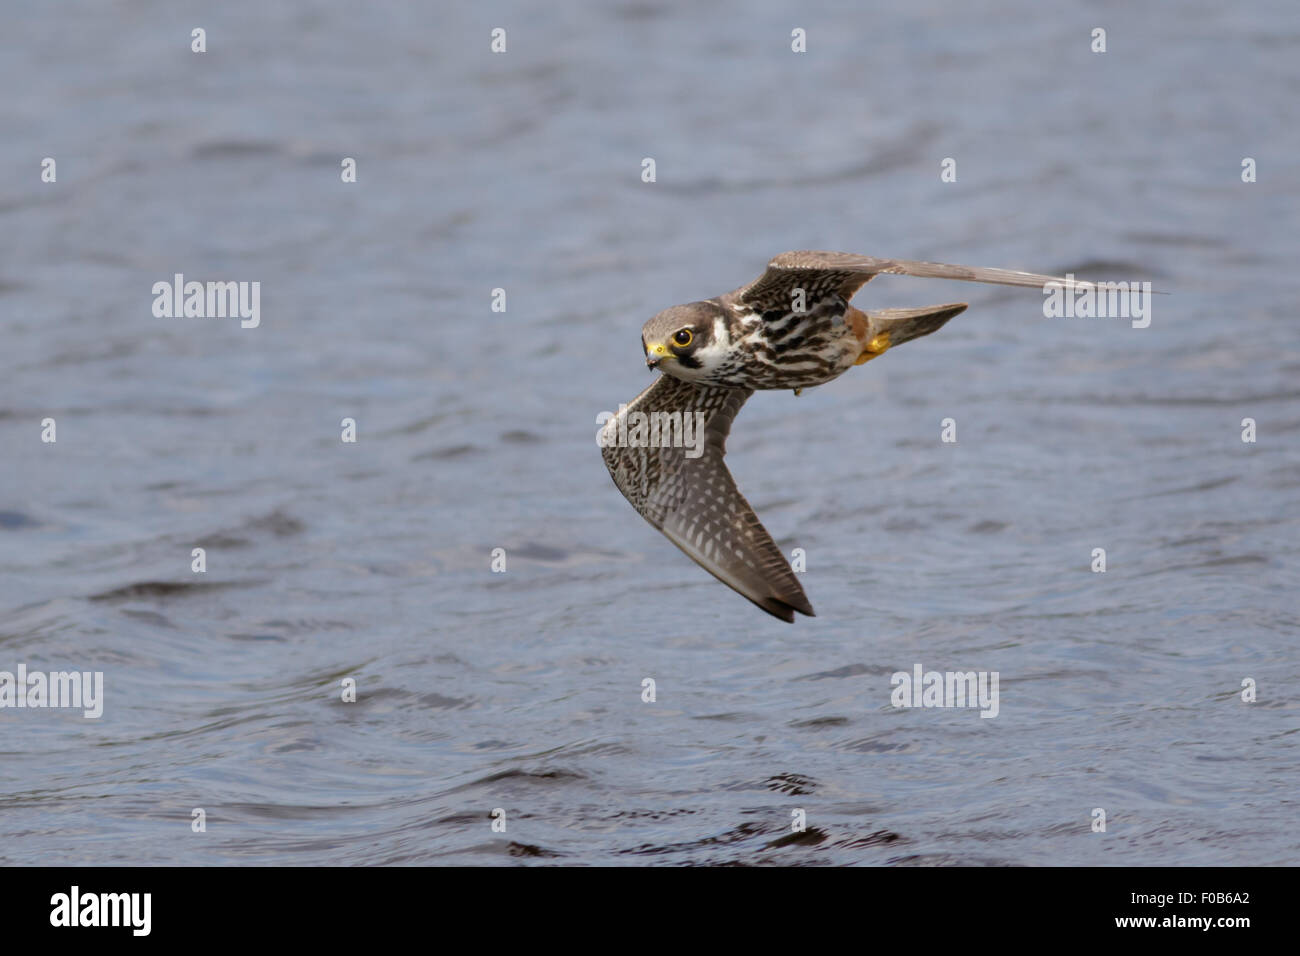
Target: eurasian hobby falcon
[(791, 328)]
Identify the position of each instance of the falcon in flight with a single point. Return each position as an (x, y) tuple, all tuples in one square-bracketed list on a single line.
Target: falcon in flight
[(791, 328)]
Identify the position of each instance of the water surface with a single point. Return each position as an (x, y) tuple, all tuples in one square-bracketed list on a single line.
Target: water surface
[(522, 690)]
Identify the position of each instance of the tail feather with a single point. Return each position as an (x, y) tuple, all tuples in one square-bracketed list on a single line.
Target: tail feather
[(903, 325), (887, 328)]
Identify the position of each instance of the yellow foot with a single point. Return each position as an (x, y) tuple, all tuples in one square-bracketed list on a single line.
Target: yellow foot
[(877, 346)]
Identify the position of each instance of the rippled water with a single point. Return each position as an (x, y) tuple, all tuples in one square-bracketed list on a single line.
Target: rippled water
[(522, 690)]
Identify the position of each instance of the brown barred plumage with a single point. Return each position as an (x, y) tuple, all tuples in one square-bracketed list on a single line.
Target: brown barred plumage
[(792, 327)]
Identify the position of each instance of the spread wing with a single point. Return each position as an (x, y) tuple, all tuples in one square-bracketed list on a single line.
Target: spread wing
[(694, 500), (842, 273)]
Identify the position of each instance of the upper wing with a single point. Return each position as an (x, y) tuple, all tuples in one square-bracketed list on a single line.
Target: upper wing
[(843, 273), (694, 500)]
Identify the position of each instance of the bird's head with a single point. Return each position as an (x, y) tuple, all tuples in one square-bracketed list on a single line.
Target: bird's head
[(686, 341)]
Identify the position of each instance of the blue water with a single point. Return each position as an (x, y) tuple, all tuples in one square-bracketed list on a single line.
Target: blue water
[(523, 690)]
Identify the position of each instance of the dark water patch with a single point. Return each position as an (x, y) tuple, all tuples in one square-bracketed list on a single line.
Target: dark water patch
[(819, 723), (848, 670), (232, 811), (307, 625), (530, 850), (1213, 564), (739, 834), (792, 783), (1180, 240), (417, 426), (464, 819), (529, 779), (92, 354), (297, 746), (1208, 485), (904, 525), (224, 542), (878, 838), (494, 744), (536, 551), (148, 617), (637, 12), (867, 745), (384, 695), (601, 749), (167, 590), (277, 523), (809, 837), (1109, 270), (728, 717), (13, 520), (648, 815), (947, 859), (235, 149), (447, 452), (520, 437), (440, 702)]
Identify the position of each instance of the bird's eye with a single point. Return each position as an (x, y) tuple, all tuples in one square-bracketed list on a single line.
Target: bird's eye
[(683, 337)]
